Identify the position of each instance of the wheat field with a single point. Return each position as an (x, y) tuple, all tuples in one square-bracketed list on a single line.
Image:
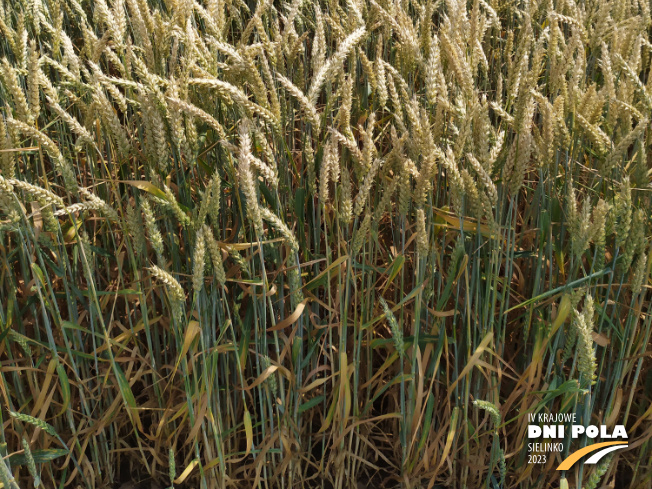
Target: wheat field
[(330, 244)]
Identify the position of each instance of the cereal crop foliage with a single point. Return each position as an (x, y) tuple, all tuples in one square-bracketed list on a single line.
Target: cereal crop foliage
[(334, 244)]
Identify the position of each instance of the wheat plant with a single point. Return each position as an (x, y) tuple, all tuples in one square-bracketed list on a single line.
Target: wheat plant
[(334, 244)]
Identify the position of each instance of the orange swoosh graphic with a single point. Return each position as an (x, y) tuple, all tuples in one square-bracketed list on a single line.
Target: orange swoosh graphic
[(570, 461)]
